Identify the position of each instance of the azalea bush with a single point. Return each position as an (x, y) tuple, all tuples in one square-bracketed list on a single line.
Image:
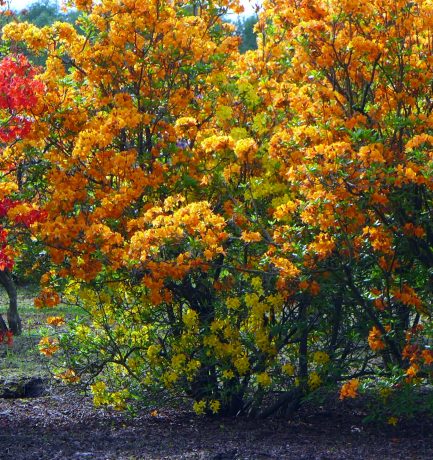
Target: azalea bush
[(19, 98), (354, 148), (240, 230)]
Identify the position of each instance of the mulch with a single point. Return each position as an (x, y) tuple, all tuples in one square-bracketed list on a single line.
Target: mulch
[(64, 425)]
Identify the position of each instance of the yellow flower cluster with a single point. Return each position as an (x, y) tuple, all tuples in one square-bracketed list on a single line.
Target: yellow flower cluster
[(320, 357), (263, 379), (103, 397), (245, 149), (314, 380)]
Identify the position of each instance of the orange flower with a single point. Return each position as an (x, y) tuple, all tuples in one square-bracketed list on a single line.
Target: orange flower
[(379, 304), (68, 376), (411, 372), (48, 346), (375, 339), (427, 356), (303, 285), (349, 389), (47, 298), (314, 288), (251, 237), (55, 320)]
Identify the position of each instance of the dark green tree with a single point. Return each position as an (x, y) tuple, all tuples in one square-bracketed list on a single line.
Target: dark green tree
[(245, 28), (45, 12)]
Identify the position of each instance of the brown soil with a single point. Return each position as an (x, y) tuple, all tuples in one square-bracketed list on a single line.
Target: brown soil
[(65, 425)]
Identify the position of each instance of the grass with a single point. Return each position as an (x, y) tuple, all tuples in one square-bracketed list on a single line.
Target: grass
[(23, 357)]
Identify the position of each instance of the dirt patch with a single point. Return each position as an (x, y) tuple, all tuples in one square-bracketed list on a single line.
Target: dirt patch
[(65, 425)]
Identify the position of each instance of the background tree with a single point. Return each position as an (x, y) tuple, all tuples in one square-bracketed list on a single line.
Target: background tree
[(46, 12), (245, 29)]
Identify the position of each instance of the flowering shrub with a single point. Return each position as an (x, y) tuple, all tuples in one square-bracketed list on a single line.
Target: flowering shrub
[(19, 96), (239, 226)]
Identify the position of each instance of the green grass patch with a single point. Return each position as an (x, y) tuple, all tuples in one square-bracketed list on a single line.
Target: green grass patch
[(23, 357)]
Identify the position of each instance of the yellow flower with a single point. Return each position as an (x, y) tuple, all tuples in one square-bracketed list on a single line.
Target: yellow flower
[(199, 407), (170, 378), (118, 399), (100, 394), (385, 392), (233, 303), (252, 300), (263, 379), (288, 369), (215, 406), (152, 352), (314, 380), (320, 357), (245, 149), (82, 332), (177, 361), (256, 283), (185, 123), (392, 421), (242, 365), (228, 374), (217, 143), (224, 113), (98, 387)]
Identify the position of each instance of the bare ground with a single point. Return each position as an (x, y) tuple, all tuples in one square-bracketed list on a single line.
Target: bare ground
[(65, 425)]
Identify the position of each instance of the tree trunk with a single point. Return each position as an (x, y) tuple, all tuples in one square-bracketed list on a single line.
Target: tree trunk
[(14, 320), (3, 327)]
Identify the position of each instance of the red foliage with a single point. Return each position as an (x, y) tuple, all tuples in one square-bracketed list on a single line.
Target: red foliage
[(18, 94), (5, 205), (35, 215), (6, 261), (6, 338)]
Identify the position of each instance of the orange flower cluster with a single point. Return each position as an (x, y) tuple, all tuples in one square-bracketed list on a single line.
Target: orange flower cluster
[(349, 389), (48, 346), (375, 339)]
